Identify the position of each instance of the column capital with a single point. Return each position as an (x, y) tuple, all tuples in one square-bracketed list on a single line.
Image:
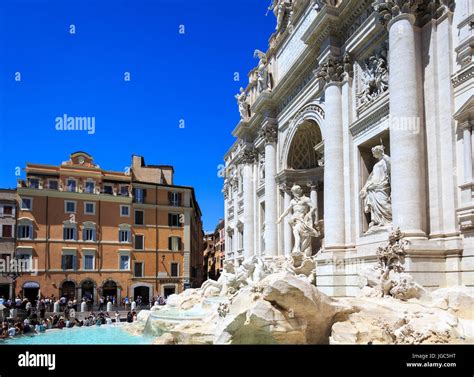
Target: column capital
[(248, 155), (389, 9), (269, 131), (334, 70), (314, 185), (225, 189), (285, 187)]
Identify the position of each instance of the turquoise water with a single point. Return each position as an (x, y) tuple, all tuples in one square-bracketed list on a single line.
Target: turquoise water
[(107, 334)]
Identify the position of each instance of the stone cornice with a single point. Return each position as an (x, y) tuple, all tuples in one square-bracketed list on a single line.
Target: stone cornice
[(463, 75), (465, 115), (378, 110)]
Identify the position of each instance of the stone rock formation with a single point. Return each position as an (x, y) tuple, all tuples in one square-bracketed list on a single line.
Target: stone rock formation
[(276, 302)]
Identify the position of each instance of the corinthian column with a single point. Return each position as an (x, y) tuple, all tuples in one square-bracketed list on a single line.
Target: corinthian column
[(333, 73), (406, 136), (248, 159), (270, 134)]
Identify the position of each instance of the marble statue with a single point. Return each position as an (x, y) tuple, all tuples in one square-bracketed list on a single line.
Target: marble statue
[(376, 191), (301, 221), (244, 106), (263, 76), (226, 280), (280, 8), (374, 77)]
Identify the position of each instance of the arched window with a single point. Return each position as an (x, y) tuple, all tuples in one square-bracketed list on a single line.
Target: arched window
[(69, 230), (124, 233), (88, 231), (25, 228)]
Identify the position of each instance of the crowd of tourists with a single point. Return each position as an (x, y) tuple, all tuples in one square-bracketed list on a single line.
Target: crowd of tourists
[(21, 316)]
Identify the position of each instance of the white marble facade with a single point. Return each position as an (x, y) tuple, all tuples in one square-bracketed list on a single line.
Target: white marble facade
[(339, 78)]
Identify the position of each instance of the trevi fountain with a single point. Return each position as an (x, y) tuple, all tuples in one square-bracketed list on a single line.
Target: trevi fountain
[(348, 192)]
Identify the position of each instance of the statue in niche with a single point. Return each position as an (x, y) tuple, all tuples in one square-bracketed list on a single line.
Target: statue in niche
[(376, 191), (263, 76), (301, 221), (244, 106), (374, 77), (261, 169)]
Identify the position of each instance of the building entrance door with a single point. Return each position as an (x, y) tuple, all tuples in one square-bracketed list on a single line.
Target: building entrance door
[(144, 292), (31, 291), (68, 290), (168, 291), (109, 289), (5, 291)]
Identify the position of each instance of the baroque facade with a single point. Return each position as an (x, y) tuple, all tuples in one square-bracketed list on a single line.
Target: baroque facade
[(90, 232), (367, 106)]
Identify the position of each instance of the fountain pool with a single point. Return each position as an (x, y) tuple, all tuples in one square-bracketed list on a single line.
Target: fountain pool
[(102, 335)]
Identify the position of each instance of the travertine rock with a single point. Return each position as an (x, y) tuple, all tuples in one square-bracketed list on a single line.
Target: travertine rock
[(389, 321), (460, 299), (288, 311)]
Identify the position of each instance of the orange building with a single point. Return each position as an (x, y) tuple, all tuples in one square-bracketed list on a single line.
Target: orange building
[(93, 232), (214, 252)]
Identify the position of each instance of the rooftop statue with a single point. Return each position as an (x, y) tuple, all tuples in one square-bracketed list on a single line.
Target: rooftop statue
[(263, 76), (244, 106)]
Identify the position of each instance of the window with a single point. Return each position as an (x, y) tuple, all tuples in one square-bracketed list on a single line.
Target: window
[(125, 211), (139, 217), (53, 184), (124, 262), (89, 188), (88, 234), (174, 198), (26, 204), (139, 195), (71, 185), (174, 243), (69, 233), (25, 231), (88, 262), (124, 236), (7, 210), (68, 262), (174, 269), (124, 190), (108, 189), (69, 207), (138, 270), (7, 231), (33, 183), (231, 242), (139, 244), (174, 219), (241, 239), (89, 208)]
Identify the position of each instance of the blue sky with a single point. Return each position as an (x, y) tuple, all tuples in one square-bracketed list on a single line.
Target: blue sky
[(173, 76)]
